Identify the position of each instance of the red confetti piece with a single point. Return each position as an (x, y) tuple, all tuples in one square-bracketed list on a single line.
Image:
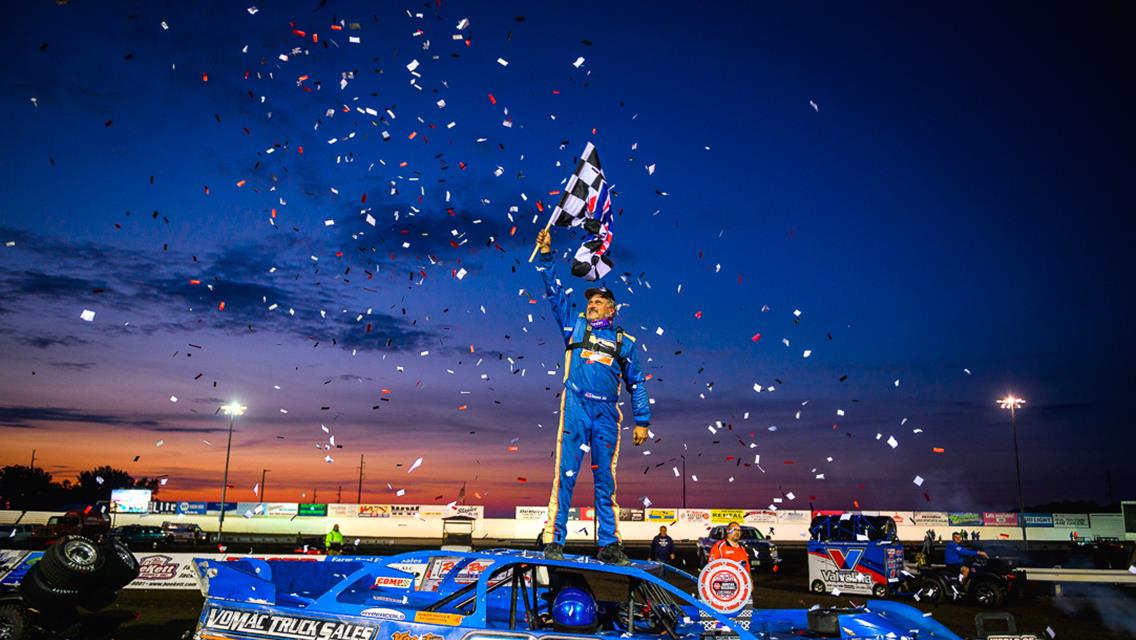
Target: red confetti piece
[(856, 503), (221, 307), (463, 407), (512, 448), (205, 77), (756, 337), (241, 183), (698, 315), (492, 100), (194, 282), (522, 479), (938, 450)]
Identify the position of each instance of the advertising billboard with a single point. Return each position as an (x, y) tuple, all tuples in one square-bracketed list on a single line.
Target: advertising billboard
[(130, 500)]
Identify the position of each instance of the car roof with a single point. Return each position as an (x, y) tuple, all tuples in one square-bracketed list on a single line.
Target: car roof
[(506, 557)]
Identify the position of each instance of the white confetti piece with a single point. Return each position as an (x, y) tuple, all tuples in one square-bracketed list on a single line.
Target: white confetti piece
[(173, 398), (892, 442), (659, 331), (400, 492), (579, 61), (840, 412), (503, 62), (87, 315), (814, 106), (807, 353), (462, 273), (412, 66), (417, 463), (918, 481), (159, 443)]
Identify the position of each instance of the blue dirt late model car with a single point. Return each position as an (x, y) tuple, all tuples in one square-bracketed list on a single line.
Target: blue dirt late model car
[(504, 595)]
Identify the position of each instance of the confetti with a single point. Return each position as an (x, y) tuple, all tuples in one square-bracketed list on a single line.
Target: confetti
[(87, 315)]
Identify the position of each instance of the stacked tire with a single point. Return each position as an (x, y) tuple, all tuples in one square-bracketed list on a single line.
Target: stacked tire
[(76, 572)]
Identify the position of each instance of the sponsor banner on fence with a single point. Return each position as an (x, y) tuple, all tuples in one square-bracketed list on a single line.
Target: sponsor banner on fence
[(374, 511), (760, 517), (312, 510), (286, 509), (252, 509), (930, 519), (999, 519), (722, 516), (631, 515), (694, 515), (1071, 520), (1039, 520), (794, 517), (661, 515), (532, 513), (471, 510), (342, 510), (193, 508), (215, 507), (964, 519), (163, 506), (404, 511)]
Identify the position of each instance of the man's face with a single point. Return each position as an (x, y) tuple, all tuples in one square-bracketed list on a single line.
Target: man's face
[(734, 533), (662, 531), (956, 537), (599, 308)]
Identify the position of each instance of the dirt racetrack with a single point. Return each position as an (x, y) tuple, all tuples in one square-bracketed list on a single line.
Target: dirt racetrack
[(1079, 614)]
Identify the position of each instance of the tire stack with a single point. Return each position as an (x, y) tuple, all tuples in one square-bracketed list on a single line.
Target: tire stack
[(75, 572)]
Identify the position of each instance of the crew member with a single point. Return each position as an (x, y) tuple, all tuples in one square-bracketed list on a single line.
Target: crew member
[(598, 356), (662, 547), (731, 547), (959, 558), (333, 541)]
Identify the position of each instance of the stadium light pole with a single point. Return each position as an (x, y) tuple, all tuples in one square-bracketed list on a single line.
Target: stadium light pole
[(263, 472), (1013, 404), (233, 409)]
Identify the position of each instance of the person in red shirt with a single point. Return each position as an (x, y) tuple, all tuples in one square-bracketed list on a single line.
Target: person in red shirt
[(731, 547)]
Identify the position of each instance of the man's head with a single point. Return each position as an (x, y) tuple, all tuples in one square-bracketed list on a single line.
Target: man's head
[(662, 531), (601, 303), (335, 528), (956, 536), (734, 531)]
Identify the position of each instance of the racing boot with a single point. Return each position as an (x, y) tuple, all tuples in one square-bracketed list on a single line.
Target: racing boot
[(553, 551), (613, 554)]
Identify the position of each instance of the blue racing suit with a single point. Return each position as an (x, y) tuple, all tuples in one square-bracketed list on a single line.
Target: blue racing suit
[(595, 360)]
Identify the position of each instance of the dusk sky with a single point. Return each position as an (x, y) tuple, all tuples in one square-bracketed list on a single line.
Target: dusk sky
[(943, 192)]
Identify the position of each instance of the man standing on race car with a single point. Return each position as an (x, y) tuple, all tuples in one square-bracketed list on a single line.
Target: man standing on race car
[(731, 547), (597, 356)]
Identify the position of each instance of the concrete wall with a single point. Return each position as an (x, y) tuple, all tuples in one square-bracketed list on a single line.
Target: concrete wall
[(514, 529)]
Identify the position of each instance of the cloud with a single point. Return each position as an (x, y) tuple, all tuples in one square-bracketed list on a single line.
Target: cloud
[(43, 342), (76, 366), (24, 417)]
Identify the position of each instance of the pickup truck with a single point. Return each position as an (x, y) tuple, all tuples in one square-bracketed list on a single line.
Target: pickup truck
[(89, 522)]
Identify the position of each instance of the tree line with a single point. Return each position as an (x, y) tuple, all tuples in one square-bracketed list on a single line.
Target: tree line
[(34, 489)]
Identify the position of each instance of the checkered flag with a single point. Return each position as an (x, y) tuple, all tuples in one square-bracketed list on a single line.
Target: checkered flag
[(586, 203), (583, 189)]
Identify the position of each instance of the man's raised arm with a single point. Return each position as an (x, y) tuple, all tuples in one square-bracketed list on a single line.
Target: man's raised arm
[(552, 286)]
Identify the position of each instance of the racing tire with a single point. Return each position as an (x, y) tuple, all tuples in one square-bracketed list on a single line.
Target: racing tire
[(15, 622), (818, 587), (932, 590), (880, 591), (121, 566), (72, 563), (43, 596), (988, 595)]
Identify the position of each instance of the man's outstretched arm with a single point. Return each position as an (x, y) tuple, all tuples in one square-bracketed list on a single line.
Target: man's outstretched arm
[(552, 286)]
